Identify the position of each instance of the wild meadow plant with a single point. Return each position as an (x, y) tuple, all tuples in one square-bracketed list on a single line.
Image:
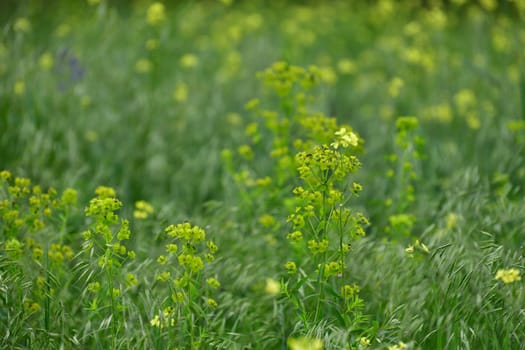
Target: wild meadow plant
[(102, 267), (186, 289), (35, 261), (308, 166), (44, 283), (403, 176)]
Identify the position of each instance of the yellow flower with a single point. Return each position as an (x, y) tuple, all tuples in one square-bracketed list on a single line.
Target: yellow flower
[(345, 138), (212, 303), (19, 88), (489, 5), (304, 343), (399, 346), (156, 13), (465, 100), (267, 220), (143, 66), (142, 210), (180, 94), (395, 86), (189, 61), (363, 341), (155, 321), (85, 101), (152, 44), (226, 2), (22, 25), (91, 135), (93, 2), (346, 66), (508, 276), (410, 251), (272, 287), (62, 30), (46, 61), (328, 75)]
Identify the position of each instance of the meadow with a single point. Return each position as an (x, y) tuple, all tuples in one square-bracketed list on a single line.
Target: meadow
[(231, 174)]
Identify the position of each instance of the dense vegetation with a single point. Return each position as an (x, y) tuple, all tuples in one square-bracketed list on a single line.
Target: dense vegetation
[(243, 175)]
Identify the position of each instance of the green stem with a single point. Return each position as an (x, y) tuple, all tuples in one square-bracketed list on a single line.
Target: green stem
[(320, 274), (113, 314), (47, 300)]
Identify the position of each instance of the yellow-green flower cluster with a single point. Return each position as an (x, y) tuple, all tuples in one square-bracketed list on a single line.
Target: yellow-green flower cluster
[(318, 247), (283, 77), (156, 14), (103, 210), (398, 346), (333, 268), (103, 207), (189, 254), (324, 164), (508, 275), (305, 343), (29, 207), (30, 306), (291, 267), (13, 248), (142, 210), (345, 139), (166, 318), (58, 253)]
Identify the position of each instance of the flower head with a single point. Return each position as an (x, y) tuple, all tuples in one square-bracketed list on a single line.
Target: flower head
[(272, 287), (508, 276), (156, 13), (22, 25), (305, 343), (345, 138)]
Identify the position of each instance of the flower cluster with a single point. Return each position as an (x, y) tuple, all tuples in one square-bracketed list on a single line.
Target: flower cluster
[(508, 276), (185, 258), (142, 210)]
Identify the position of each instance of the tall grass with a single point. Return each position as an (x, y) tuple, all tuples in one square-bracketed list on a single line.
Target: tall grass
[(353, 175)]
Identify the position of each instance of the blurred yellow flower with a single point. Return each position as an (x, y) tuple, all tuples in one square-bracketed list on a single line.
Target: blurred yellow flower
[(328, 75), (19, 88), (46, 61), (62, 30), (410, 251), (156, 13), (143, 66), (399, 346), (142, 210), (93, 2), (180, 94), (272, 287), (22, 25), (91, 136), (226, 2), (363, 341), (305, 343), (508, 276), (152, 44), (189, 61), (345, 138), (395, 86), (346, 66), (489, 5), (465, 100), (85, 101)]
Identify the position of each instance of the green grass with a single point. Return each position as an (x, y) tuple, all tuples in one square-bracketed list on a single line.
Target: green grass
[(443, 191)]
